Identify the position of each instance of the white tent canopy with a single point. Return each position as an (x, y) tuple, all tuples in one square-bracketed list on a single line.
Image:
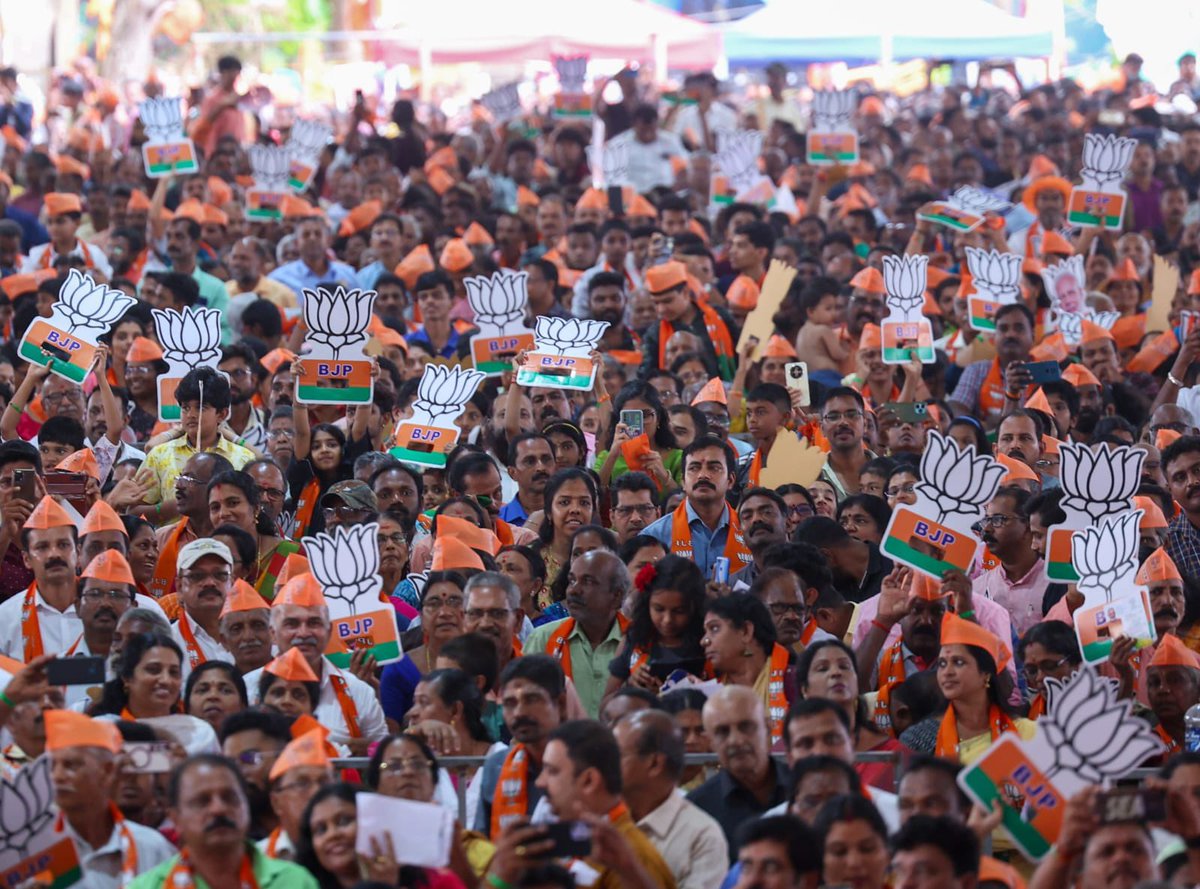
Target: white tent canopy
[(870, 30)]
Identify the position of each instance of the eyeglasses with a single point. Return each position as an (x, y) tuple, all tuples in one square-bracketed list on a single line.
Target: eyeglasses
[(251, 758), (405, 763), (997, 521), (1032, 669), (301, 785), (454, 603), (241, 373), (273, 493), (60, 397), (643, 509), (94, 596), (342, 512), (278, 434), (139, 370), (838, 416), (394, 539), (1045, 464), (803, 510), (897, 490), (781, 609), (188, 480), (199, 577), (496, 614)]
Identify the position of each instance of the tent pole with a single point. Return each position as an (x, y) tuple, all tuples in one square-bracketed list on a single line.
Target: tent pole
[(425, 65), (658, 52)]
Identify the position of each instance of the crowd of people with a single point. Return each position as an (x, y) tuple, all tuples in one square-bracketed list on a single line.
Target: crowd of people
[(583, 603)]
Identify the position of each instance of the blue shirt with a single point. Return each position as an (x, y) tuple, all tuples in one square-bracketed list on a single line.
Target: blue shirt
[(369, 274), (298, 276), (514, 513), (707, 546), (450, 350), (33, 232)]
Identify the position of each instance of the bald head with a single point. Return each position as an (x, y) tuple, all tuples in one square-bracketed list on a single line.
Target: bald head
[(597, 584), (736, 724), (654, 732)]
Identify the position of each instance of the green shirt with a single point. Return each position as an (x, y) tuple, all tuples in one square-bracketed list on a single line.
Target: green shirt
[(268, 872), (215, 296), (672, 463), (589, 666)]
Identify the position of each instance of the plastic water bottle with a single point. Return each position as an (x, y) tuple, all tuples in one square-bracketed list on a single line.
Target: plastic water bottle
[(1191, 729)]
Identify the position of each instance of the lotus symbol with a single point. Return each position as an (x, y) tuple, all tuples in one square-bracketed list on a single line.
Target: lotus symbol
[(270, 166), (503, 103), (562, 334), (958, 480), (346, 563), (307, 138), (1099, 482), (975, 200), (25, 807), (832, 109), (571, 72), (499, 300), (443, 391), (337, 318), (737, 155), (161, 118), (88, 307), (1106, 158), (1091, 733), (997, 273), (1103, 555), (191, 338), (904, 278)]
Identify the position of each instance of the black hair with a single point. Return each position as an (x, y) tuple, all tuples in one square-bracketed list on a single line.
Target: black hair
[(244, 543), (705, 442), (590, 745), (982, 445), (953, 838), (537, 565), (213, 760), (520, 439), (1066, 392), (266, 679), (842, 809), (412, 473), (560, 478), (881, 466), (669, 573), (274, 725), (455, 686), (63, 430), (921, 694), (605, 279), (876, 507), (741, 610), (802, 843), (231, 673), (636, 544), (813, 707), (204, 385), (822, 532), (633, 481), (681, 700), (244, 483), (1009, 308), (470, 463), (183, 288), (811, 765), (540, 669), (1180, 447), (375, 766), (433, 280), (114, 698), (475, 655), (643, 391), (772, 392), (759, 234), (844, 392), (1054, 636), (480, 513)]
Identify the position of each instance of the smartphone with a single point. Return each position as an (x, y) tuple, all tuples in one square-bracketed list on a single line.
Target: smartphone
[(616, 202), (148, 757), (796, 376), (76, 671), (23, 485), (1044, 371), (572, 839), (907, 411), (1187, 323), (71, 486), (663, 669), (720, 572), (634, 421), (1127, 804)]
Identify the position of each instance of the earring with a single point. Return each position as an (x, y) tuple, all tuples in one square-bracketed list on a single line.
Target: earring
[(987, 682), (746, 652)]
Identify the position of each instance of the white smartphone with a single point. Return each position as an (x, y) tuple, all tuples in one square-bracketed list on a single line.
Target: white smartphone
[(796, 375)]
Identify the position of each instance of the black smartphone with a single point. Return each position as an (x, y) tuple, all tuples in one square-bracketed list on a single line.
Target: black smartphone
[(616, 202), (1044, 371), (661, 668), (1129, 804), (76, 671), (23, 485), (572, 839)]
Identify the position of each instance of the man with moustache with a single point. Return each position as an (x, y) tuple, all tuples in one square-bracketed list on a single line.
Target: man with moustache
[(1181, 466), (842, 418), (107, 590), (1019, 582), (530, 464), (272, 486), (987, 389), (607, 299), (245, 628), (31, 696), (254, 739), (191, 500), (1020, 437), (763, 515), (634, 505), (205, 580), (492, 608)]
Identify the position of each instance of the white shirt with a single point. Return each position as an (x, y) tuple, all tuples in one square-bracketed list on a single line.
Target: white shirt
[(33, 261), (211, 648), (59, 629), (718, 117), (648, 164), (79, 697), (690, 841), (371, 722), (887, 804), (102, 866)]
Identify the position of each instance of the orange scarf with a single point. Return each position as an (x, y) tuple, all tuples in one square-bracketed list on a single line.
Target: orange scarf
[(1171, 744), (168, 559), (46, 261), (718, 334), (947, 736), (349, 710), (556, 645), (511, 799), (195, 654), (735, 544), (1037, 707), (273, 842), (891, 674), (991, 393), (31, 629), (504, 532), (777, 705), (181, 874), (810, 630), (756, 466), (306, 506)]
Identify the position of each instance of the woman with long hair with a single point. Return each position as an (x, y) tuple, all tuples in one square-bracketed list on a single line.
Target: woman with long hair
[(322, 455), (665, 629), (854, 843), (571, 501), (215, 690), (234, 499), (865, 517), (660, 457)]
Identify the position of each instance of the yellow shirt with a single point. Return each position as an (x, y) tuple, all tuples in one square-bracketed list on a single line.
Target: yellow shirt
[(273, 291), (166, 461), (647, 855), (970, 749)]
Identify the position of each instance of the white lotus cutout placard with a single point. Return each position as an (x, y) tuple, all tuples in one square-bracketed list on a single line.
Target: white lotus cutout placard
[(832, 139), (167, 150), (29, 844), (346, 564), (503, 103), (996, 277), (423, 438), (562, 358), (66, 341), (571, 102), (189, 339), (334, 367), (1087, 737), (499, 303), (1099, 199), (906, 332), (1097, 484), (934, 535), (270, 166), (304, 146), (965, 210)]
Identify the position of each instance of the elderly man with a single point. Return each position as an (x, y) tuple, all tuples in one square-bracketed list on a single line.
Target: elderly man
[(493, 609), (689, 840), (314, 265), (107, 590), (347, 706), (205, 579), (191, 503), (83, 767), (589, 639), (209, 809), (244, 627)]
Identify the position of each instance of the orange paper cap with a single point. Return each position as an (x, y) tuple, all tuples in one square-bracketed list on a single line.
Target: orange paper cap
[(1042, 166), (293, 566), (138, 202), (1090, 331), (1164, 437), (1078, 375), (1038, 402), (68, 166), (418, 261), (1128, 331), (871, 105), (930, 306), (713, 391), (1194, 283), (360, 218), (666, 276), (1051, 444), (66, 728), (869, 280), (101, 517), (1158, 568), (48, 514), (956, 631), (1171, 652), (110, 565), (292, 666), (526, 197), (477, 236), (926, 587), (456, 256), (992, 870), (696, 228), (211, 215), (592, 199), (935, 275), (302, 590), (1152, 514), (1016, 470), (276, 359), (778, 347), (449, 553), (83, 460), (472, 535), (1055, 244), (243, 598), (742, 293), (144, 349), (1126, 271), (305, 724), (60, 203), (1052, 182), (306, 750), (190, 209), (871, 338), (640, 206), (1032, 266), (219, 191), (919, 173)]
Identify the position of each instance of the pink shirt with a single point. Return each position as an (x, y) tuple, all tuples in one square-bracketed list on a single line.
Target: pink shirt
[(1021, 598)]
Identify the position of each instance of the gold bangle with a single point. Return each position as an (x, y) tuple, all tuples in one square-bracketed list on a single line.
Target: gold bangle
[(603, 398)]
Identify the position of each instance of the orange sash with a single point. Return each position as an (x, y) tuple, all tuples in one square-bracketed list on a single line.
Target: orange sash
[(718, 333), (181, 876), (305, 507), (556, 645), (1037, 707), (756, 467), (511, 800), (273, 841), (168, 561), (947, 736), (891, 674), (1172, 745), (504, 532), (31, 629), (735, 544), (777, 705), (86, 254), (991, 393), (810, 630), (195, 654), (125, 843), (349, 711)]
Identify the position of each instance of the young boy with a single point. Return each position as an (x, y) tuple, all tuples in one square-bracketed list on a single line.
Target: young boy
[(768, 410), (818, 340), (64, 212)]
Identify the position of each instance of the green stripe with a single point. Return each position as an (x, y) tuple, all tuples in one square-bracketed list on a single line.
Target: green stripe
[(840, 157), (298, 184), (419, 458), (948, 221), (983, 323), (1064, 571), (532, 378), (325, 395), (491, 368), (264, 214), (169, 413), (1023, 833), (1092, 219), (35, 355), (383, 653), (902, 552), (905, 355)]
